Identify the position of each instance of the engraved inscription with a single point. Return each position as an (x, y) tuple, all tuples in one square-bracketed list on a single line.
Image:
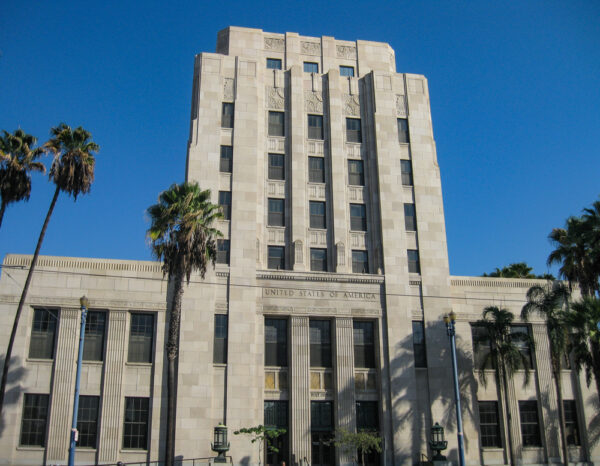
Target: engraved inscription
[(333, 294)]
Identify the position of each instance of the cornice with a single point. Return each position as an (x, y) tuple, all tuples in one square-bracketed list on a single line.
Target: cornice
[(319, 277)]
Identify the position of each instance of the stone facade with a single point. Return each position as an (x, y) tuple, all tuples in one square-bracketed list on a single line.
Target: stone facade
[(407, 281)]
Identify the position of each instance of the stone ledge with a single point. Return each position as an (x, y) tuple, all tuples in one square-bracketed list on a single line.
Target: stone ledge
[(319, 277)]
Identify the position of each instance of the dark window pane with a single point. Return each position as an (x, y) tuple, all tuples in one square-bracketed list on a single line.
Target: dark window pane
[(222, 251), (276, 258), (225, 203), (410, 217), (316, 169), (274, 63), (95, 327), (481, 347), (276, 415), (87, 421), (220, 342), (530, 426), (311, 67), (320, 343), (358, 217), (35, 418), (403, 130), (364, 344), (360, 262), (315, 126), (226, 161), (317, 214), (356, 174), (353, 133), (406, 169), (276, 342), (321, 416), (276, 167), (141, 335), (276, 124), (227, 115), (135, 426), (419, 343), (414, 265), (489, 424), (276, 213), (318, 260), (571, 424), (43, 332), (521, 339), (346, 70), (367, 415)]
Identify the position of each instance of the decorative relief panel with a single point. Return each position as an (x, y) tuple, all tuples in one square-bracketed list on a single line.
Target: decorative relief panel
[(358, 240), (341, 253), (310, 48), (318, 238), (353, 151), (351, 105), (346, 51), (276, 144), (276, 235), (401, 108), (313, 101), (298, 252), (316, 191), (228, 89), (315, 147), (275, 98), (276, 188), (356, 193), (274, 43)]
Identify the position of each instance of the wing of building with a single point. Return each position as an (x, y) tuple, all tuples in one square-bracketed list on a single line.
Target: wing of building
[(325, 310)]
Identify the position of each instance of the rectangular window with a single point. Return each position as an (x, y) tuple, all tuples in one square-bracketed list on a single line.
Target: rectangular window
[(410, 217), (419, 343), (276, 124), (141, 336), (321, 426), (315, 126), (226, 161), (95, 328), (521, 338), (481, 347), (276, 213), (274, 63), (43, 333), (225, 203), (135, 425), (316, 169), (356, 173), (530, 424), (318, 260), (227, 115), (360, 262), (220, 342), (276, 167), (489, 424), (403, 130), (276, 342), (276, 416), (353, 133), (571, 424), (35, 418), (222, 251), (317, 215), (407, 175), (321, 416), (367, 416), (87, 421), (414, 265), (320, 343), (364, 344), (358, 217), (311, 67), (347, 71), (276, 259)]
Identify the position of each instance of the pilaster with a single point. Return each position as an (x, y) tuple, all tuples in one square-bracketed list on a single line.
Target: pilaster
[(300, 389), (344, 378)]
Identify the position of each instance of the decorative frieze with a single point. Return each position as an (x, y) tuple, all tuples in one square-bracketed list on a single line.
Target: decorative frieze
[(276, 144), (298, 252), (401, 107), (310, 48), (315, 147), (276, 235), (352, 105), (316, 191), (276, 188), (340, 253), (358, 240), (353, 151), (275, 98), (228, 89), (356, 193), (318, 238), (275, 43), (346, 51), (313, 101)]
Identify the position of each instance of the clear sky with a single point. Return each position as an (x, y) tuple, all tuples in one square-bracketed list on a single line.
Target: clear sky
[(514, 88)]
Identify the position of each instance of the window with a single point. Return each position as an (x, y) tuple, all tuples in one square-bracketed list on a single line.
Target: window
[(276, 167), (316, 170), (414, 265), (530, 425), (276, 213), (222, 251), (43, 333), (95, 327), (571, 424), (321, 426), (317, 214), (276, 124), (353, 133), (419, 343), (346, 71), (225, 203), (520, 336), (489, 424), (356, 173), (135, 426), (141, 334), (315, 126), (276, 415), (410, 217), (367, 415), (274, 63), (226, 161), (311, 67), (276, 342), (35, 417), (403, 130), (320, 343), (358, 217), (87, 421), (318, 260), (220, 342), (406, 170), (276, 259), (227, 115), (321, 416), (364, 344), (360, 262)]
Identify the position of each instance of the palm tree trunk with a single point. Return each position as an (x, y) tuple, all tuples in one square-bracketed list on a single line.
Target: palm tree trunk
[(23, 297), (2, 209), (561, 416), (172, 354), (596, 363), (511, 449)]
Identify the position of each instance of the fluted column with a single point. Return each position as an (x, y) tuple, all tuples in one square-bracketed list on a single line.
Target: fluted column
[(300, 389), (344, 378), (513, 418)]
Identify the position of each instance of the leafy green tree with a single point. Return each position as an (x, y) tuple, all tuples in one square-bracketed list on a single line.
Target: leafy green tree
[(504, 353), (264, 435), (517, 270), (72, 172), (551, 302), (362, 442), (182, 237), (17, 161)]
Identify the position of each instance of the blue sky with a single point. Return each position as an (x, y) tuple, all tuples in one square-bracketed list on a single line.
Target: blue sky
[(514, 87)]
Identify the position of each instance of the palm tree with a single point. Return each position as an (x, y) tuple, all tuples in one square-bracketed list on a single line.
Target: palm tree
[(72, 171), (17, 160), (591, 219), (551, 302), (181, 236), (504, 353)]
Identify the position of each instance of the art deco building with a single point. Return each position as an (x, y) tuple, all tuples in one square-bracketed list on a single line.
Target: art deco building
[(325, 310)]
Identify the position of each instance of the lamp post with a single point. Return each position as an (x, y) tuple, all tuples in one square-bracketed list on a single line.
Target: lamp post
[(449, 320), (437, 442), (74, 434), (220, 445)]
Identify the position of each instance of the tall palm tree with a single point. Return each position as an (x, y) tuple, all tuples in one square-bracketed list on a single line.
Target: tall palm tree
[(17, 160), (504, 353), (551, 302), (591, 219), (72, 172), (181, 236)]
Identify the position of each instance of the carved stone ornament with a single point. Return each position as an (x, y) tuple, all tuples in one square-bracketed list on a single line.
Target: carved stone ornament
[(351, 105), (274, 43), (311, 48), (228, 89), (346, 51), (275, 98), (298, 252), (341, 253), (313, 101), (401, 105)]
